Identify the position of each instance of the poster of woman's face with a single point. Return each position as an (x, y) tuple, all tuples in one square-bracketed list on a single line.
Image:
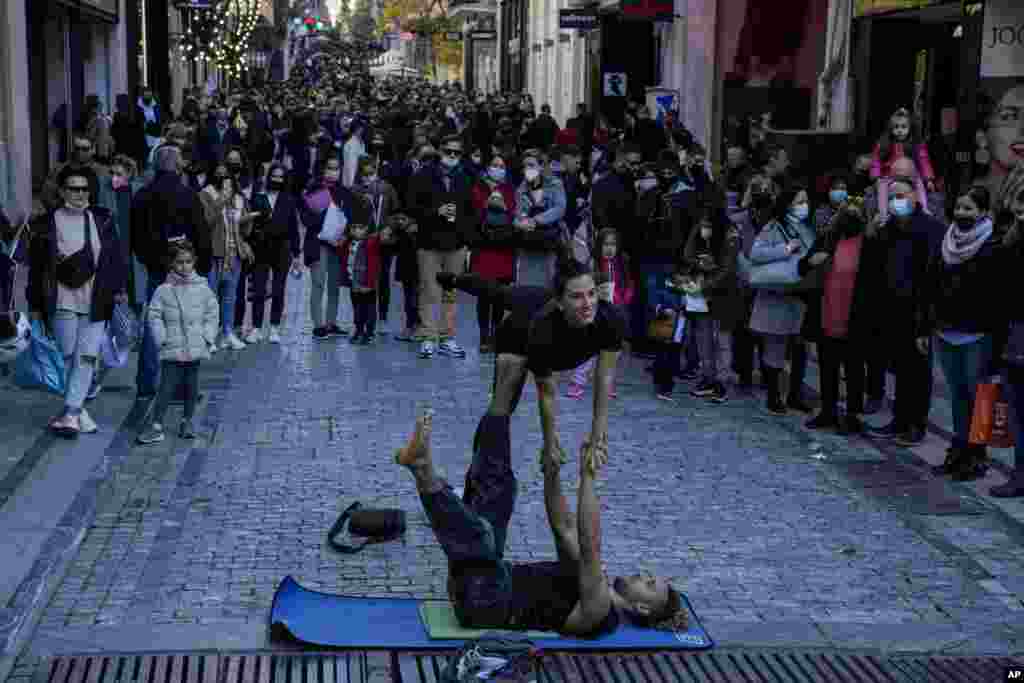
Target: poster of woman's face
[(1000, 140)]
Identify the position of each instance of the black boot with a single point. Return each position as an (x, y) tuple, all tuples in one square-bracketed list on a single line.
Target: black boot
[(771, 380), (974, 464), (955, 455)]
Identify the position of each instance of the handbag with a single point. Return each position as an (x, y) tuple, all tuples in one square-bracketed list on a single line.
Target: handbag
[(781, 275), (41, 366), (661, 328), (493, 658), (75, 270), (124, 326), (376, 525), (990, 424)]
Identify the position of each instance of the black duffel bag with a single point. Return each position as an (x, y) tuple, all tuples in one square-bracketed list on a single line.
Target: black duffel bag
[(375, 525)]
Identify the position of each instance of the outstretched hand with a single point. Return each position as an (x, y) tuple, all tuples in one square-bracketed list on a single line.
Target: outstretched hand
[(553, 456), (446, 280)]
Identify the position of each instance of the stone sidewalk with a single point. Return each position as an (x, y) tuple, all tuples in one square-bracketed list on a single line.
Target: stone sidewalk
[(769, 529)]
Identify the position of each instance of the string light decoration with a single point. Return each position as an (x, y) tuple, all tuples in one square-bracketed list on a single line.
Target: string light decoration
[(219, 35)]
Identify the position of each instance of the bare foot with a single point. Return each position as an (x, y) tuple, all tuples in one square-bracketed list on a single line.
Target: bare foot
[(417, 452)]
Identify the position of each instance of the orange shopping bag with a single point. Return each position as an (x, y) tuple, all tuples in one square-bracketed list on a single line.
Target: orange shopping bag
[(990, 424)]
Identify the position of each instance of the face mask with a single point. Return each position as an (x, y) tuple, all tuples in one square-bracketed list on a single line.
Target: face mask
[(531, 174), (800, 212), (275, 185), (148, 101), (900, 207), (331, 177), (705, 233), (475, 159), (449, 162), (119, 182), (556, 167), (837, 196), (965, 223), (645, 184), (496, 174), (235, 168)]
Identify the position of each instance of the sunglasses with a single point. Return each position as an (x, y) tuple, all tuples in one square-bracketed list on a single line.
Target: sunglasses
[(452, 152), (83, 148), (71, 189)]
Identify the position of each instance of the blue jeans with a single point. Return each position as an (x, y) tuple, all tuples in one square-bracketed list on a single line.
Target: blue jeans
[(147, 378), (1013, 382), (472, 531), (227, 280), (964, 365)]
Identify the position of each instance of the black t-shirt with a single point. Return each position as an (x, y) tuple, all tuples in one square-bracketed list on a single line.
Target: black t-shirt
[(544, 594), (554, 345)]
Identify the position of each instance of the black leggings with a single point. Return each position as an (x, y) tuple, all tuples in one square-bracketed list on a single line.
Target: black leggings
[(260, 275), (387, 257), (172, 375), (489, 312), (364, 312)]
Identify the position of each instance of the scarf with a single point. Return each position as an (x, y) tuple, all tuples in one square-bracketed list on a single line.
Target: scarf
[(960, 245)]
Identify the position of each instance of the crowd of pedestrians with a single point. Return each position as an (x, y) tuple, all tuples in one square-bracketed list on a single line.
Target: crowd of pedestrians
[(196, 221)]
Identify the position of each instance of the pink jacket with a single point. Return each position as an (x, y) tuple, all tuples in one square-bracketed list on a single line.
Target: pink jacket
[(882, 169), (624, 286)]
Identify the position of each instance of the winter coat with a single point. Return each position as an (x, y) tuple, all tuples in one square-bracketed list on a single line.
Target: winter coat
[(111, 271), (313, 212), (625, 284), (184, 317), (725, 299), (548, 213), (774, 312), (494, 255), (213, 207), (163, 210), (372, 246), (427, 194), (381, 200), (919, 155), (613, 204), (277, 234)]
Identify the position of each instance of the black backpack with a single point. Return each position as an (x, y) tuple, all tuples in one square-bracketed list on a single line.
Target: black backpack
[(505, 660)]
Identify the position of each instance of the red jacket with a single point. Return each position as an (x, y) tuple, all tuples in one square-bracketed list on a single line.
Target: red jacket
[(624, 287), (372, 246), (494, 258)]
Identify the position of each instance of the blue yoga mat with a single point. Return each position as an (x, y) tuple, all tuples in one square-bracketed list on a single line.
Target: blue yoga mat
[(358, 623)]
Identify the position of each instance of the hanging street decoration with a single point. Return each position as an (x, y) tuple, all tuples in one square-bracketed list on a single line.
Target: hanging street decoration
[(220, 34)]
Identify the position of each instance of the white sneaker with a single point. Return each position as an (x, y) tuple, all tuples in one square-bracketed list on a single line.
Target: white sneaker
[(255, 336), (451, 348), (427, 349), (275, 335), (89, 425), (213, 348), (234, 343)]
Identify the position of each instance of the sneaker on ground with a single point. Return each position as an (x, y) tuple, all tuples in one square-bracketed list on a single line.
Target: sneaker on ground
[(688, 375), (187, 430), (719, 394), (369, 340), (234, 343), (404, 336), (213, 348), (94, 391), (275, 335), (320, 334), (255, 336), (574, 391), (451, 348), (703, 390), (335, 331), (665, 396), (427, 349), (154, 434)]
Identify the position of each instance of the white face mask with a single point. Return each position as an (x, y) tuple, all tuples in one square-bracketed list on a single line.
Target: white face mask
[(645, 184), (532, 174), (370, 179)]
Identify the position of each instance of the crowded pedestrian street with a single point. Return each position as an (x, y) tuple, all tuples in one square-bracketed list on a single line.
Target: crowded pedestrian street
[(511, 340)]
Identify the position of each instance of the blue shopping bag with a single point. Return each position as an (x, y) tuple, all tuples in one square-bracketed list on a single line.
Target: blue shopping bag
[(41, 366)]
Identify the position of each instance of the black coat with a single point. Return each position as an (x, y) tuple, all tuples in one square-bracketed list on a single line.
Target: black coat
[(278, 233), (111, 271), (427, 194), (613, 204), (166, 209)]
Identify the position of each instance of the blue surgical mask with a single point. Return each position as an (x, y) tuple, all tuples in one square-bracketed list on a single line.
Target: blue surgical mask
[(496, 174), (838, 196), (800, 212), (449, 162), (900, 207)]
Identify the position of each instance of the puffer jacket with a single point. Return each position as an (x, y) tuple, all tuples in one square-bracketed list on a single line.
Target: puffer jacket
[(184, 317)]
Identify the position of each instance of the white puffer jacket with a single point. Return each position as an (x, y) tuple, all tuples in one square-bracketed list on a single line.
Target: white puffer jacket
[(184, 316)]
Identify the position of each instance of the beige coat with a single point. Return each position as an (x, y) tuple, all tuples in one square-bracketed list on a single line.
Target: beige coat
[(184, 317)]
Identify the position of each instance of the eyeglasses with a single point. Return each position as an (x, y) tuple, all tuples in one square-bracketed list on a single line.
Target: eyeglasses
[(72, 189), (83, 148), (452, 152)]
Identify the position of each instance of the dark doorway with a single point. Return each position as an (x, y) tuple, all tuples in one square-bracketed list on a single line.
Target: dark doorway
[(626, 47)]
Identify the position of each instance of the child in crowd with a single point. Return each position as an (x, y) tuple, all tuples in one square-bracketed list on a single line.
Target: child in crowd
[(183, 316), (360, 271), (403, 234), (615, 286), (669, 304)]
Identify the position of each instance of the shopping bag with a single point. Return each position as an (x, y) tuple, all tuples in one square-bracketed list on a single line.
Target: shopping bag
[(41, 366), (114, 356), (990, 424), (124, 326)]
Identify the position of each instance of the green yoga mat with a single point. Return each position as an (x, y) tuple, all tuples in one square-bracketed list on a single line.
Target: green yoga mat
[(441, 623)]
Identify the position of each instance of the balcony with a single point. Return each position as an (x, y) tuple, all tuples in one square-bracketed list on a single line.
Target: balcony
[(466, 8)]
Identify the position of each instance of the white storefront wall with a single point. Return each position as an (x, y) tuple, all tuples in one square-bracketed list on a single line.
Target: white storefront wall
[(556, 75)]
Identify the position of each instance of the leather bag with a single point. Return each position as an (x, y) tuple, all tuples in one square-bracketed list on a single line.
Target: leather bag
[(375, 525)]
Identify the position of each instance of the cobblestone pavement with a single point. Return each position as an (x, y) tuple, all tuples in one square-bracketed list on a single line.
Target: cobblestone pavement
[(749, 514)]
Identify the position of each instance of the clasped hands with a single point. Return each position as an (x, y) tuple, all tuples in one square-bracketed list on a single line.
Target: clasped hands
[(593, 455)]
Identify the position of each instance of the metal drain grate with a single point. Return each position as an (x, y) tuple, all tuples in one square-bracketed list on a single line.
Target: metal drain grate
[(719, 666)]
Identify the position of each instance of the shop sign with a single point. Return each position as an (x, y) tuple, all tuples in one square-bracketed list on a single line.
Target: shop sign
[(578, 19), (1002, 40), (453, 36), (615, 84), (866, 7), (648, 10)]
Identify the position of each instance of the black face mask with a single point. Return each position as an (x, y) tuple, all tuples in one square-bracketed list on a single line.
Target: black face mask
[(760, 199), (235, 168), (965, 223), (275, 184)]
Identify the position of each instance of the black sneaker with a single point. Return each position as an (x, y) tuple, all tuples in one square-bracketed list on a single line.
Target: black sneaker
[(849, 425), (1011, 489), (822, 421), (356, 338), (320, 334), (688, 374), (872, 406), (703, 390), (719, 394), (798, 404), (775, 406), (335, 331), (911, 437), (368, 339)]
